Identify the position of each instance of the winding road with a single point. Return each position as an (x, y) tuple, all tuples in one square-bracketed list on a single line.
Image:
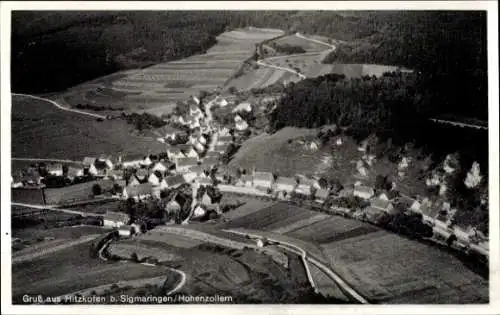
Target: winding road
[(329, 272), (60, 106)]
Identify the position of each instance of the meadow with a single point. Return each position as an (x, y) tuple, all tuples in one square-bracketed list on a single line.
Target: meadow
[(40, 130)]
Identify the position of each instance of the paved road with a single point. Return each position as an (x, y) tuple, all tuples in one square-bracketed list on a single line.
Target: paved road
[(60, 106)]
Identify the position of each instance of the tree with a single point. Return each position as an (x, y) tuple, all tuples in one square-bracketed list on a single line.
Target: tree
[(233, 90), (473, 176), (96, 190), (134, 257)]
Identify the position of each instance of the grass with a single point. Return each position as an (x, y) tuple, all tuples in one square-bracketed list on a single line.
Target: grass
[(273, 153), (41, 130), (307, 45)]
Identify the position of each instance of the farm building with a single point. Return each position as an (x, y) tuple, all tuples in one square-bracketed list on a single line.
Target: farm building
[(263, 180), (115, 219), (183, 165), (55, 169), (138, 192), (363, 192), (287, 184)]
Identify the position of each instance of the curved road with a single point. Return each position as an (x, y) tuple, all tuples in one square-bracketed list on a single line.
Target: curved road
[(60, 106), (335, 277), (301, 76)]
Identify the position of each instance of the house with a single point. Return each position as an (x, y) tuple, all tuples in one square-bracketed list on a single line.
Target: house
[(127, 231), (221, 102), (146, 162), (263, 180), (115, 174), (212, 154), (55, 169), (363, 192), (133, 181), (382, 205), (198, 147), (245, 180), (430, 212), (194, 172), (174, 153), (306, 185), (208, 163), (132, 161), (187, 150), (321, 195), (138, 192), (183, 165), (243, 107), (115, 219), (108, 160), (162, 166), (74, 172), (154, 180), (313, 145), (287, 184), (174, 181), (240, 124), (222, 148), (88, 161)]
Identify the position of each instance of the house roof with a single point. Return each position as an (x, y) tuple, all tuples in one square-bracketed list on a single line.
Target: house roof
[(263, 176), (322, 193), (304, 181), (210, 161), (364, 189), (88, 160), (286, 181), (99, 164), (379, 203), (118, 173), (73, 171), (132, 157), (211, 154), (141, 189), (116, 216), (55, 167), (187, 162), (185, 147), (175, 180), (246, 178), (166, 164)]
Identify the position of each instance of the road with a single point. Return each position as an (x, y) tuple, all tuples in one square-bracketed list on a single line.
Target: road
[(60, 106), (300, 75), (330, 273), (460, 124)]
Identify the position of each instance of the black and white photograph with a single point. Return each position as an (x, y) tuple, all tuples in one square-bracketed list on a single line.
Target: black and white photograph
[(232, 156)]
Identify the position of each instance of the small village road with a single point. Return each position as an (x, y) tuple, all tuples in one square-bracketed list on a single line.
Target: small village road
[(60, 106)]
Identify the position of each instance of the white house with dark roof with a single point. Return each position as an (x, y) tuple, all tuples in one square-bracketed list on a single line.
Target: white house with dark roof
[(287, 184), (363, 192), (263, 180), (55, 169), (115, 219), (174, 153)]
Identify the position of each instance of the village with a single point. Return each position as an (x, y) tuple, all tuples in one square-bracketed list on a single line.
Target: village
[(189, 177)]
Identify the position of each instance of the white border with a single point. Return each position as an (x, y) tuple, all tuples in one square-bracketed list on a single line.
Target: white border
[(492, 22)]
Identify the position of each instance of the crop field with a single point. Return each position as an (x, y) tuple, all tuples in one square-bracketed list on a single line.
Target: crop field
[(325, 285), (250, 205), (393, 269), (169, 239), (162, 85), (308, 46), (71, 270), (273, 153), (280, 214), (125, 249), (40, 130), (97, 207)]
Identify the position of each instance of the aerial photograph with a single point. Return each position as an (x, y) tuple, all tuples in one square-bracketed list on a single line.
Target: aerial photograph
[(249, 157)]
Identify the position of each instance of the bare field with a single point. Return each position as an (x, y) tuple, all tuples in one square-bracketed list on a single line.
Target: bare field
[(40, 130), (164, 84)]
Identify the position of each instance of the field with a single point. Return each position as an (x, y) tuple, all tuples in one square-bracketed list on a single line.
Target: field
[(273, 153), (156, 89), (75, 271), (40, 130), (308, 46), (382, 266)]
